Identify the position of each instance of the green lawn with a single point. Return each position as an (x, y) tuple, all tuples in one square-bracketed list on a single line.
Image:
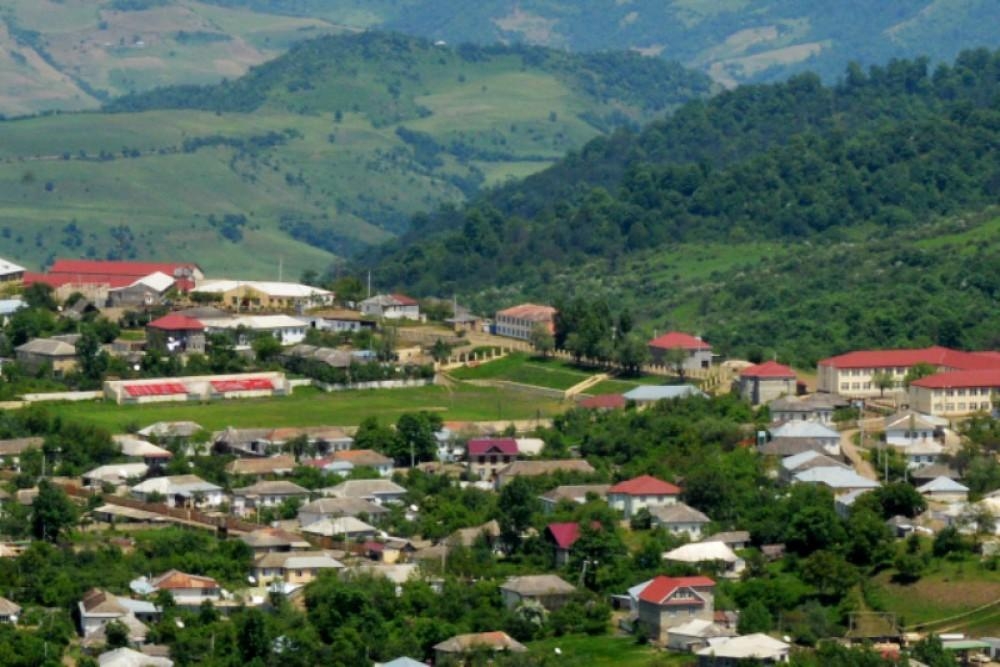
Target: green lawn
[(946, 589), (549, 373), (583, 651), (310, 407)]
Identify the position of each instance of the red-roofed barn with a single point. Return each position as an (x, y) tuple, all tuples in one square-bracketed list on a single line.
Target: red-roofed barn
[(641, 492), (767, 381), (699, 353), (667, 602)]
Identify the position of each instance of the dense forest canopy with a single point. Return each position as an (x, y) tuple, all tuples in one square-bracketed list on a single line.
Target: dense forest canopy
[(881, 152)]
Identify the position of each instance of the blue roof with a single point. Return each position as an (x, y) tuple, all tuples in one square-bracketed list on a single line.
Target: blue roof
[(649, 392)]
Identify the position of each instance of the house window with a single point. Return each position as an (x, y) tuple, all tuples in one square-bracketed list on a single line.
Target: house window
[(843, 385)]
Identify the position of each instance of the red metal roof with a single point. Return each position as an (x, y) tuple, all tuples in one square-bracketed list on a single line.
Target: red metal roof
[(645, 485), (989, 377), (661, 588), (112, 273), (246, 384), (155, 389), (603, 402), (675, 339), (768, 369), (564, 534), (177, 322), (936, 356), (480, 446), (404, 300)]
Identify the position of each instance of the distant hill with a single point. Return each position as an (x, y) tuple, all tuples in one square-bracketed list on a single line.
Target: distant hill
[(736, 41), (313, 155), (747, 214)]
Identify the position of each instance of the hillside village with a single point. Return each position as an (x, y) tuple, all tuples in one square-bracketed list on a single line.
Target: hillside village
[(708, 510)]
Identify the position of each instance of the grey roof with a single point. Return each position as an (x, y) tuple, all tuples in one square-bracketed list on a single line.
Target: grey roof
[(747, 647), (298, 559), (943, 485), (678, 513), (576, 492), (645, 393), (126, 657), (341, 525), (48, 347), (176, 485), (11, 306), (791, 446), (729, 537), (180, 429), (913, 420), (16, 446), (342, 507), (278, 488), (804, 429), (809, 459), (836, 478), (365, 488), (534, 585), (534, 468), (8, 608), (934, 470), (498, 641)]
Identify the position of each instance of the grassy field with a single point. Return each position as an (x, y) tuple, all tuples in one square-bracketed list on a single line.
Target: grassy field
[(525, 369), (947, 589), (310, 407), (583, 651), (423, 122)]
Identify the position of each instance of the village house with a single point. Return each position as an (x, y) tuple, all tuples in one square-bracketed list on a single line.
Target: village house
[(716, 554), (152, 455), (758, 649), (459, 645), (127, 657), (809, 434), (908, 428), (680, 519), (792, 465), (331, 508), (486, 456), (97, 608), (535, 468), (187, 590), (578, 494), (520, 321), (697, 353), (378, 491), (548, 590), (818, 408), (263, 495), (836, 478), (668, 602), (58, 352), (143, 292), (9, 611), (10, 272), (340, 321), (734, 539), (641, 492), (269, 539), (944, 490), (12, 449), (346, 528), (245, 328), (852, 374), (282, 464), (255, 296), (767, 381), (176, 334), (957, 393), (115, 474), (95, 278), (296, 567), (391, 307), (343, 462), (562, 536), (180, 491)]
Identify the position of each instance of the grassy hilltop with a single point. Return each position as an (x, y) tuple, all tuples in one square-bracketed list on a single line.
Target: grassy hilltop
[(330, 147)]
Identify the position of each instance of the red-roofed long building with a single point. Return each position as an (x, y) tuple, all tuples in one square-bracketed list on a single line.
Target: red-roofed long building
[(699, 353), (641, 492), (767, 381), (114, 273), (667, 602), (520, 321), (851, 374), (956, 393)]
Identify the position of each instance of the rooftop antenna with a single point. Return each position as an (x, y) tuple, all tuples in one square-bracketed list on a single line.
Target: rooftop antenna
[(369, 284)]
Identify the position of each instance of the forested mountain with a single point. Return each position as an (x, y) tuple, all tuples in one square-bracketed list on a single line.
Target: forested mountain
[(749, 40), (796, 164), (330, 147)]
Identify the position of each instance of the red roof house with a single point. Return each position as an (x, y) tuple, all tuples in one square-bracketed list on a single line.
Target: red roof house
[(676, 339), (767, 381), (641, 492), (699, 353), (667, 602), (485, 446), (176, 322), (564, 535), (487, 456)]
